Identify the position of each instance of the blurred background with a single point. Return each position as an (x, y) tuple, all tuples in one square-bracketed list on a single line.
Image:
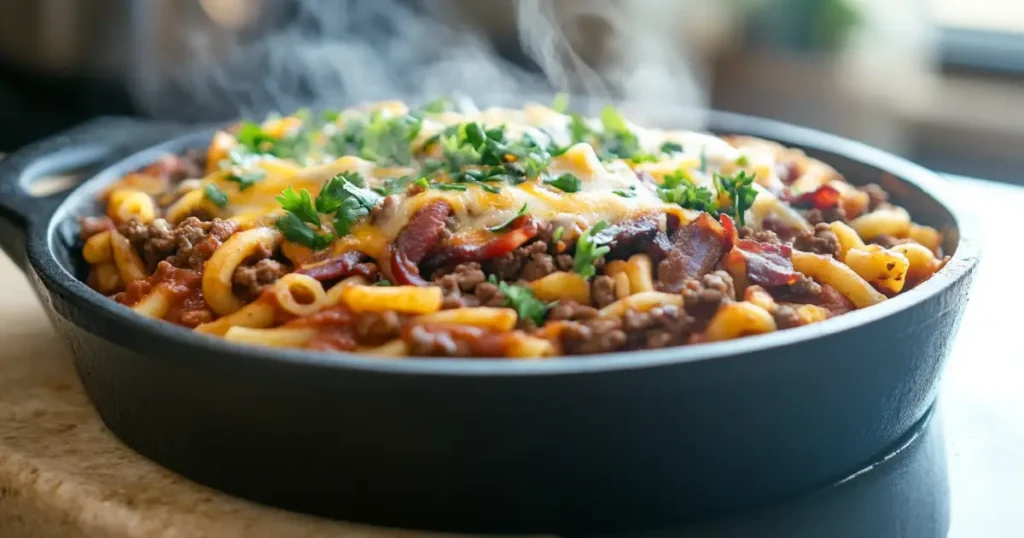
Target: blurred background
[(938, 81)]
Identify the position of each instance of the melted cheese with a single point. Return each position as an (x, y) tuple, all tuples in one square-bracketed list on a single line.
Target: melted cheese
[(611, 191)]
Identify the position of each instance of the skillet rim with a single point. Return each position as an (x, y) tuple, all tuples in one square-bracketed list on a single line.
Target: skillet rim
[(41, 247)]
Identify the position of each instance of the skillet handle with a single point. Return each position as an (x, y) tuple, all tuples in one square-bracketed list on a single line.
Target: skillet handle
[(93, 144)]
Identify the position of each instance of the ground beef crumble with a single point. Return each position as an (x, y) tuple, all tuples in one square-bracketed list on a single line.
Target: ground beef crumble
[(702, 297), (187, 245), (877, 197), (820, 240), (250, 280)]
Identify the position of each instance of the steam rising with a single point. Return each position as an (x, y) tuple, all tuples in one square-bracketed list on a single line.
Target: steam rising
[(337, 53)]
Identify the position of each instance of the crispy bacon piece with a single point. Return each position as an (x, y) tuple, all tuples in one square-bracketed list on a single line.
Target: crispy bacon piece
[(696, 249), (341, 266), (520, 231), (633, 235), (766, 264), (419, 237), (825, 197)]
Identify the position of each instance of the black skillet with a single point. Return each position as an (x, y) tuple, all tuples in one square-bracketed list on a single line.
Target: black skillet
[(631, 440)]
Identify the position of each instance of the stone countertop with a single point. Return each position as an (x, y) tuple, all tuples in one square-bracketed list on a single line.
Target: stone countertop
[(62, 474)]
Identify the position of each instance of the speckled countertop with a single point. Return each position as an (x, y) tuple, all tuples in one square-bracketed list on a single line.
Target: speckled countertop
[(63, 475)]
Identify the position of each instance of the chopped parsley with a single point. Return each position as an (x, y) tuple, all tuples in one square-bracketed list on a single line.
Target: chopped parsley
[(300, 219), (344, 198), (449, 187), (561, 103), (389, 140), (671, 147), (678, 188), (591, 245), (382, 282), (522, 300), (506, 224), (218, 197), (565, 183), (741, 192), (631, 193), (437, 106), (246, 178)]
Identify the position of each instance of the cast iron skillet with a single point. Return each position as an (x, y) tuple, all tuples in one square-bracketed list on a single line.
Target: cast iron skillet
[(618, 441)]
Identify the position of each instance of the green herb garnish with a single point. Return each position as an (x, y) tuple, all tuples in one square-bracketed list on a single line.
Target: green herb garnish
[(382, 282), (742, 160), (246, 178), (506, 224), (678, 188), (389, 140), (591, 245), (565, 183), (561, 103), (557, 236), (344, 198), (671, 147), (522, 300), (218, 197), (301, 222), (437, 106), (449, 187), (631, 193), (741, 192)]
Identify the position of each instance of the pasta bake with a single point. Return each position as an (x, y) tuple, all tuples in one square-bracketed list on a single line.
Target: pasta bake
[(432, 231)]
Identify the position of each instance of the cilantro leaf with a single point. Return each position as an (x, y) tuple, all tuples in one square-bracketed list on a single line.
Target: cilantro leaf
[(631, 193), (299, 204), (449, 187), (389, 140), (561, 103), (215, 195), (346, 196), (579, 131), (741, 192), (565, 183), (246, 178), (506, 224), (437, 106), (678, 188), (295, 230), (671, 147), (591, 245), (522, 300), (618, 140)]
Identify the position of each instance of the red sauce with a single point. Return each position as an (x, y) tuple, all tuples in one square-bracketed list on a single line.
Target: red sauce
[(183, 287)]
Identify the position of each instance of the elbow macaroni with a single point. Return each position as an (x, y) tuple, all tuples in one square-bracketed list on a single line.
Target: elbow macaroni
[(257, 287)]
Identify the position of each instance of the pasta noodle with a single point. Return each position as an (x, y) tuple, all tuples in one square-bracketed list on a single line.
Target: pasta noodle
[(221, 268), (739, 319), (433, 231), (299, 295), (827, 270), (129, 264)]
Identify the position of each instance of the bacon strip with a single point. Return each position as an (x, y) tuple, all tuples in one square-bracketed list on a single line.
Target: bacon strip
[(696, 249), (341, 266), (419, 237), (633, 235), (521, 230), (825, 197), (767, 264)]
